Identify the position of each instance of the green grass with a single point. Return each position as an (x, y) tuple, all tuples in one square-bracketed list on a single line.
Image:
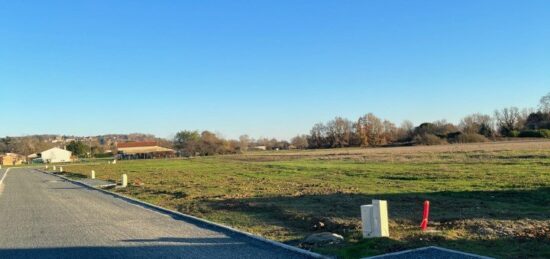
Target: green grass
[(474, 195)]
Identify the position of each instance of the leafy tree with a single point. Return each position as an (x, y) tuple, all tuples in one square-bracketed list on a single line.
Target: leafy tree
[(187, 142), (78, 148)]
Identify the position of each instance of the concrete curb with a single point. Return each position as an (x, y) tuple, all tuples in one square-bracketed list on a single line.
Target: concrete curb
[(193, 218)]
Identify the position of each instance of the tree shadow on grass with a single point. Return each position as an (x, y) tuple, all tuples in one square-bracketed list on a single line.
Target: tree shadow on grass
[(340, 213), (445, 206)]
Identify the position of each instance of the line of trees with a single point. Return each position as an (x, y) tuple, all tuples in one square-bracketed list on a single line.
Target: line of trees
[(206, 143), (372, 131), (365, 131)]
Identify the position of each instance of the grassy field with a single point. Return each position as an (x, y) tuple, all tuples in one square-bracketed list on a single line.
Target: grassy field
[(492, 199)]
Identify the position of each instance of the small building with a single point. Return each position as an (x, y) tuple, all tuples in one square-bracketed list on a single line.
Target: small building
[(143, 150), (11, 159), (54, 155), (259, 148)]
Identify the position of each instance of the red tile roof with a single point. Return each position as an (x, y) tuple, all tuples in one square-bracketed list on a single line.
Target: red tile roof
[(136, 144)]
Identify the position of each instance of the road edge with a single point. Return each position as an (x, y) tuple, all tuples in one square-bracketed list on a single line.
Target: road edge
[(192, 218)]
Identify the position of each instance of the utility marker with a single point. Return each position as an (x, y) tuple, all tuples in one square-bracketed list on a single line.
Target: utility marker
[(92, 176), (425, 214), (124, 180), (375, 219)]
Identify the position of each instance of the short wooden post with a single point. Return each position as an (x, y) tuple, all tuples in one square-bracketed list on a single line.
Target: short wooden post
[(124, 180), (92, 176)]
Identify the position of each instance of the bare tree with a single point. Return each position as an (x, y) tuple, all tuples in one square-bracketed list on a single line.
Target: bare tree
[(474, 123), (405, 131), (299, 142), (507, 120), (544, 104), (339, 132), (371, 130), (317, 136), (390, 131), (244, 142)]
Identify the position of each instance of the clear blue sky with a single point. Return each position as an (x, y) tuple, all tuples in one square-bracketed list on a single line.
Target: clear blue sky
[(266, 68)]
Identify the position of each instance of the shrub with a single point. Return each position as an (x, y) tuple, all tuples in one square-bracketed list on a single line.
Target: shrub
[(104, 155), (469, 138), (428, 139), (544, 133), (513, 134)]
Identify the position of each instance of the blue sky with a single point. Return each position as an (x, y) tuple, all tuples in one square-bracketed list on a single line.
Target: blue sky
[(265, 68)]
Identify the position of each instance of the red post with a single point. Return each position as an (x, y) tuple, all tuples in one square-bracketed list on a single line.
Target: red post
[(424, 224)]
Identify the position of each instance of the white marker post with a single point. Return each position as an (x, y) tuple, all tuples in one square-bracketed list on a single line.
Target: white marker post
[(54, 168), (114, 162), (375, 219), (124, 180), (61, 169), (46, 167), (92, 176)]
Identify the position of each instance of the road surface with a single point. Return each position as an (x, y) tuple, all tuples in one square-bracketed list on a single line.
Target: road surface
[(42, 216)]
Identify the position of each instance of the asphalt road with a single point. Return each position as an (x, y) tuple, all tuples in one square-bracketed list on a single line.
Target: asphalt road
[(42, 216)]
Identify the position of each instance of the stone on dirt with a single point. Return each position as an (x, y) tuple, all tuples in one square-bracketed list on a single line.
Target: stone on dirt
[(323, 238)]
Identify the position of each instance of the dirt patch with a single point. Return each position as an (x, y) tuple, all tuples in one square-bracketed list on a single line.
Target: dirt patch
[(513, 229)]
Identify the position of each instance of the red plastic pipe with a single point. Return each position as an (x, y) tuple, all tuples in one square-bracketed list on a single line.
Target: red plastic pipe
[(424, 224)]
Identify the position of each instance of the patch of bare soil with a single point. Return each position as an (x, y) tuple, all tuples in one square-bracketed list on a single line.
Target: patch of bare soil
[(513, 229)]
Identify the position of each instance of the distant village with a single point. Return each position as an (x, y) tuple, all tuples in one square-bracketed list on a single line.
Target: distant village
[(61, 149)]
